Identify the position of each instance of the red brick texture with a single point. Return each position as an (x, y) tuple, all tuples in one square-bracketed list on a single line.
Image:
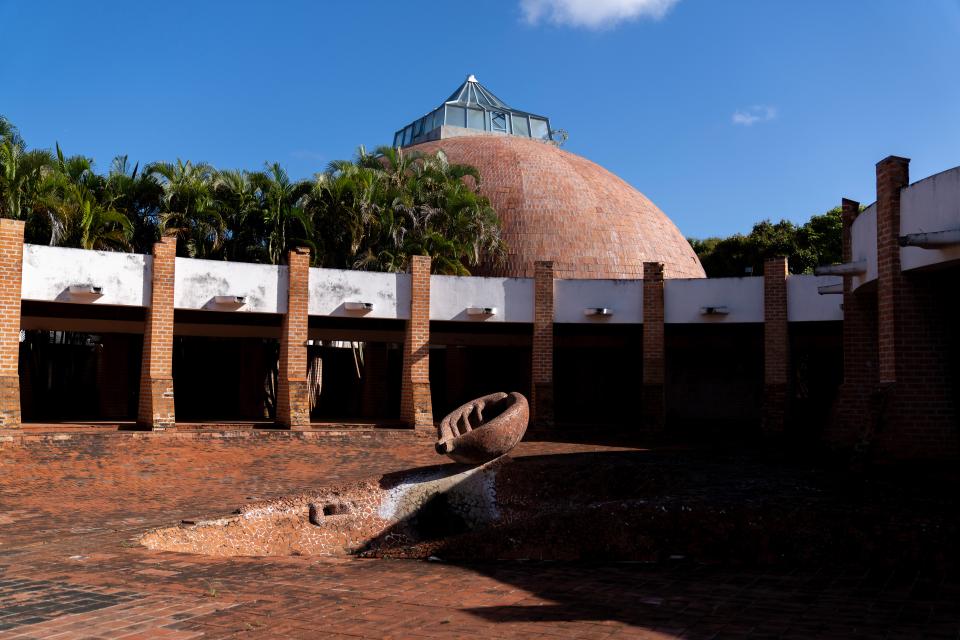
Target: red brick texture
[(156, 407), (916, 407), (416, 408), (541, 405), (557, 206), (654, 363), (776, 344), (11, 271), (293, 401), (853, 409)]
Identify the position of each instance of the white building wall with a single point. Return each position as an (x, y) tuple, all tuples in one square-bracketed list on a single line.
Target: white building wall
[(932, 204), (863, 237), (48, 272), (804, 304), (330, 289), (198, 282), (623, 297), (450, 296), (683, 298)]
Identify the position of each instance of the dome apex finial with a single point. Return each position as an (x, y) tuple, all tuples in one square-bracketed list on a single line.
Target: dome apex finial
[(471, 78)]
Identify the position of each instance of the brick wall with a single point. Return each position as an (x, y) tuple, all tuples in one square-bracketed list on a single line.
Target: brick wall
[(541, 405), (654, 365), (416, 407), (156, 406), (11, 270), (293, 400), (776, 344)]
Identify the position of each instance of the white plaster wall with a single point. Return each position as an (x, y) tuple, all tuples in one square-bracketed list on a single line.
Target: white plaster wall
[(743, 297), (331, 288), (623, 297), (804, 304), (451, 295), (863, 236), (48, 272), (933, 204), (197, 282)]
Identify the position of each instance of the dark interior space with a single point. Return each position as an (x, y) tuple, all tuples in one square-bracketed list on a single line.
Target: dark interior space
[(816, 367), (355, 380), (598, 373), (219, 379), (714, 379), (460, 373), (77, 376)]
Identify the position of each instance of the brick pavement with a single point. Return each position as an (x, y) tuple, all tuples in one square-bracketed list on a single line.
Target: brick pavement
[(69, 510)]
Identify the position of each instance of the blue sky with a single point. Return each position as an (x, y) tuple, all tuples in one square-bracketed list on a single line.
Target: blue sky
[(723, 113)]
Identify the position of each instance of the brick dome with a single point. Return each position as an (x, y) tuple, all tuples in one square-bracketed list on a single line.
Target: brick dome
[(557, 206)]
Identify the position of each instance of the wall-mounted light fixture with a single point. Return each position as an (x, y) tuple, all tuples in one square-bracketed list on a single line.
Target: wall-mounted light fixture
[(598, 312), (230, 301), (481, 311), (358, 306), (714, 311), (87, 290), (830, 289)]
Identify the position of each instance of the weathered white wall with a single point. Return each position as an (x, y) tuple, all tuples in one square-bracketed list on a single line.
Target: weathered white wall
[(804, 304), (863, 236), (48, 272), (933, 204), (331, 288), (197, 282), (743, 297), (451, 295), (623, 297)]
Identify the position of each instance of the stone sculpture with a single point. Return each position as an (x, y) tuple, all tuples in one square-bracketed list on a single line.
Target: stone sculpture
[(484, 429)]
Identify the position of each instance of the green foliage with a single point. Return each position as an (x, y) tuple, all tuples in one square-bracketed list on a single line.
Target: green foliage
[(374, 212), (814, 243)]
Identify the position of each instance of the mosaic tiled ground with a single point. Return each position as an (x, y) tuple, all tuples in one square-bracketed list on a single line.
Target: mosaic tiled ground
[(69, 510)]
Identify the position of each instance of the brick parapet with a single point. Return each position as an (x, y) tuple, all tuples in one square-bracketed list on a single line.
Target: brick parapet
[(11, 271), (156, 408), (776, 345), (416, 405), (653, 401), (293, 401), (541, 406)]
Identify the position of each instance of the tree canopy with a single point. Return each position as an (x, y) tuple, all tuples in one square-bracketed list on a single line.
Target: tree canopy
[(373, 212), (817, 242)]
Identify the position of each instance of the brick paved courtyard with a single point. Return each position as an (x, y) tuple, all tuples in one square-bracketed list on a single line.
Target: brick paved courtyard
[(71, 507)]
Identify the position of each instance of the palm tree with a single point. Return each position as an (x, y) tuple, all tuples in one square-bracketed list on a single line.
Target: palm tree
[(137, 195), (21, 174), (285, 222), (238, 202), (187, 207)]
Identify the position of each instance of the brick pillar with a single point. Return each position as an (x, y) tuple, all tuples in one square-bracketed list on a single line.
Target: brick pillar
[(11, 272), (293, 400), (893, 174), (776, 345), (156, 406), (541, 405), (416, 407), (373, 399), (852, 412), (653, 407)]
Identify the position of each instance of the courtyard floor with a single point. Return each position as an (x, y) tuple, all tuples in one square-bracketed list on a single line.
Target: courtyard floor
[(72, 505)]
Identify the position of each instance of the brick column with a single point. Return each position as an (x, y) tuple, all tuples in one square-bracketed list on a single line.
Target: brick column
[(776, 345), (416, 407), (156, 406), (541, 405), (11, 272), (893, 173), (293, 401), (852, 410), (653, 407)]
